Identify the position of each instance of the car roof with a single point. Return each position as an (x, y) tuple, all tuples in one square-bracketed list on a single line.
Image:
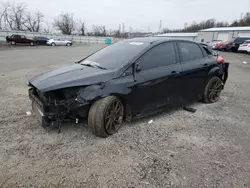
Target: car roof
[(155, 39)]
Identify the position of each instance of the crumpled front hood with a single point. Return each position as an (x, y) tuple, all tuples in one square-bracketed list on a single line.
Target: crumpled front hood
[(70, 76)]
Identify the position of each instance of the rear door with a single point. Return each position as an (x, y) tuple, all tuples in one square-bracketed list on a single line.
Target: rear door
[(195, 70), (17, 38), (157, 83)]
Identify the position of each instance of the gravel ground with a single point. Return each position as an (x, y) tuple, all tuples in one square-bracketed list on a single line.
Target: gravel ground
[(209, 148)]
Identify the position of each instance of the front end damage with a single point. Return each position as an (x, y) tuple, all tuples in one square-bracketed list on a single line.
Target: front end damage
[(51, 108)]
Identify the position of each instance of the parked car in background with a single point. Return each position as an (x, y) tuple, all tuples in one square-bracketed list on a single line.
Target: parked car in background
[(212, 43), (40, 40), (59, 42), (217, 45), (224, 46), (234, 45), (127, 79), (21, 39), (244, 47)]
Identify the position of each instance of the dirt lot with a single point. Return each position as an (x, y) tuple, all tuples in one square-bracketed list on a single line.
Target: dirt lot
[(210, 148)]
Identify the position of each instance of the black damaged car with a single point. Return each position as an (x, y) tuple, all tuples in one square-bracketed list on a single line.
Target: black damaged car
[(129, 78)]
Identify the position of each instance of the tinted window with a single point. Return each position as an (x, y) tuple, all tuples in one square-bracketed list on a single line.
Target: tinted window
[(190, 51), (241, 40), (159, 56), (118, 54)]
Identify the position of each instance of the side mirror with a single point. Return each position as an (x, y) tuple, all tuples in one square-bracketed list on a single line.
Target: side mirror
[(137, 67)]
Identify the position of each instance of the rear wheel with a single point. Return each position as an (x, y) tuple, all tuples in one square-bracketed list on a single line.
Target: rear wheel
[(13, 42), (212, 90), (68, 44), (106, 116), (31, 43)]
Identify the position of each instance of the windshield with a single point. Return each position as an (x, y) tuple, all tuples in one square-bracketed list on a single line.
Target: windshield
[(117, 55)]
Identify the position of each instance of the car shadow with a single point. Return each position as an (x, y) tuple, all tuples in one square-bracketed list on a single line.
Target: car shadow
[(82, 127)]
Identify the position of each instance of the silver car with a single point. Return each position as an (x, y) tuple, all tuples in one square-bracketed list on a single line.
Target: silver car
[(59, 42)]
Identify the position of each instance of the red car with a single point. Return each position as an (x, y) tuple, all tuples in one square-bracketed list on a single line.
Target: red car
[(14, 39)]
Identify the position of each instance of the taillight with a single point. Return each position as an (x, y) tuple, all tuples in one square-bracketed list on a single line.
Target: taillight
[(245, 44), (220, 59)]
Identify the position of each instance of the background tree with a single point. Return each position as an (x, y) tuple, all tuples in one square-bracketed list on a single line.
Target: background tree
[(15, 16), (65, 23), (33, 21), (81, 28), (99, 30)]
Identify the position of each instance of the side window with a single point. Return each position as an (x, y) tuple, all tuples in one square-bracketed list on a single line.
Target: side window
[(190, 51), (159, 56)]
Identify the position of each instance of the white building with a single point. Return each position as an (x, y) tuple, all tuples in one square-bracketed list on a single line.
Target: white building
[(222, 33), (186, 36)]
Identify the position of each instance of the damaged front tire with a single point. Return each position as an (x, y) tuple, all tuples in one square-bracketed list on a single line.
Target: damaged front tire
[(106, 116)]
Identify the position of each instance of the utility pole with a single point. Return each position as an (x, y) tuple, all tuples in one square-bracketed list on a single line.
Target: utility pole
[(123, 28), (160, 26)]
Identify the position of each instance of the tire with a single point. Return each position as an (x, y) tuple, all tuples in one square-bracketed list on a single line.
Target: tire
[(53, 44), (13, 42), (68, 44), (32, 43), (212, 90), (99, 114)]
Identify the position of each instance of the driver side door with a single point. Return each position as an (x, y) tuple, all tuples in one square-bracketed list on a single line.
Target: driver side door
[(157, 75)]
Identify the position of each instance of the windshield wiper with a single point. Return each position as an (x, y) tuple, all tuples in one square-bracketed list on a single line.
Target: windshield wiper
[(93, 65)]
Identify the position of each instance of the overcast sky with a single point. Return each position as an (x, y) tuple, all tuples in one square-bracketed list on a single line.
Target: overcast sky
[(141, 14)]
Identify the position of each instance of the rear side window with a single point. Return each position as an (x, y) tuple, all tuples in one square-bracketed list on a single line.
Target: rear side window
[(159, 56), (190, 51)]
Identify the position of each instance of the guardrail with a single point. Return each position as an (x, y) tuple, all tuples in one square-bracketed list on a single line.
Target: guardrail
[(74, 38)]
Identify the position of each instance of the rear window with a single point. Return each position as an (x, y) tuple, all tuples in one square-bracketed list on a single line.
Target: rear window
[(241, 40), (118, 54)]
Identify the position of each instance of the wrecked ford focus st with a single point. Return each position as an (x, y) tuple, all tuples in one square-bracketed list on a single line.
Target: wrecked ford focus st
[(127, 79)]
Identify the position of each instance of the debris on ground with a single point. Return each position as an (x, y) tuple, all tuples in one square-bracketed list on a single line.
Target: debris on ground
[(189, 109), (151, 121), (28, 113)]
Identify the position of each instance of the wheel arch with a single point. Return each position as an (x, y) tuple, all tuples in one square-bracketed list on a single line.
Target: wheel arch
[(94, 93), (215, 71)]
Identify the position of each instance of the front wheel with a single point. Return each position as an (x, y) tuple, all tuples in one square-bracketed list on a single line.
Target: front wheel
[(53, 44), (68, 44), (212, 90), (13, 42), (31, 43), (106, 116)]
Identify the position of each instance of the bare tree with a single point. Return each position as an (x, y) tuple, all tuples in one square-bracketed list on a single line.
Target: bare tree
[(15, 16), (65, 23), (48, 28), (99, 30), (3, 11), (80, 27), (33, 21)]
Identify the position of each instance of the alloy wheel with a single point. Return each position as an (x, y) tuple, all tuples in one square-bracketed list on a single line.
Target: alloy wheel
[(113, 117)]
